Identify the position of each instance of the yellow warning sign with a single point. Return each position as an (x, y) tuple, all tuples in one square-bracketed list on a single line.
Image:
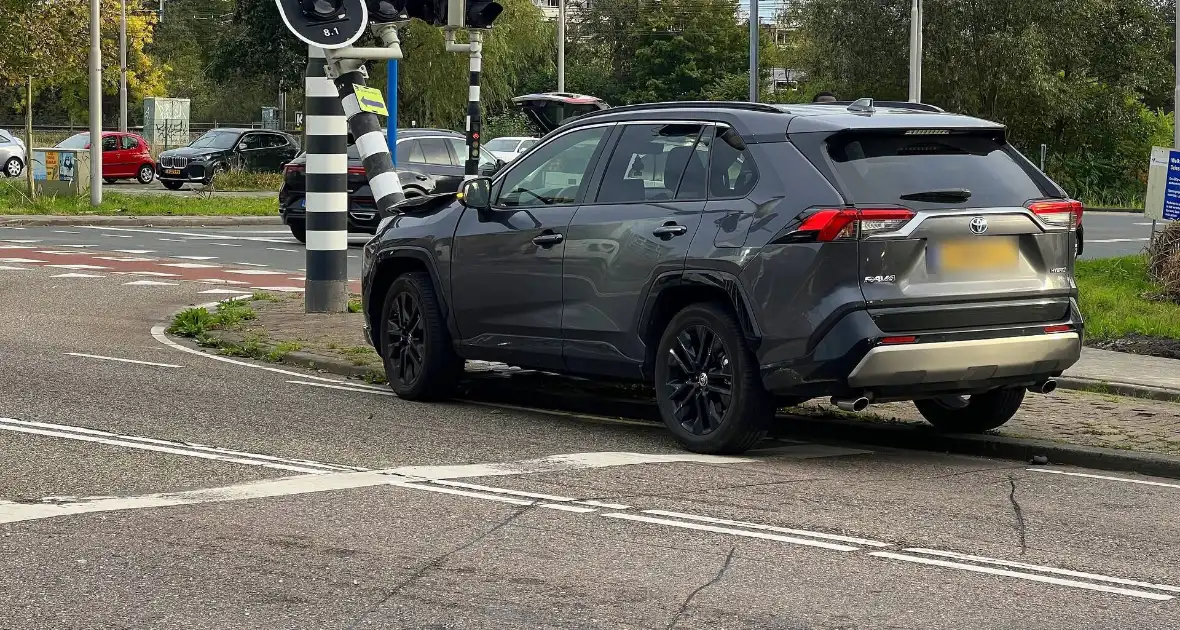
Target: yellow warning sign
[(370, 100)]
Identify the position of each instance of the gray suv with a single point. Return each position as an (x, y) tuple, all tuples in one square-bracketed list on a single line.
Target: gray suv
[(743, 257)]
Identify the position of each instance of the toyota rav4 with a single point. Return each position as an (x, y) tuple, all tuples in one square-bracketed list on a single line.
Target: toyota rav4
[(742, 257)]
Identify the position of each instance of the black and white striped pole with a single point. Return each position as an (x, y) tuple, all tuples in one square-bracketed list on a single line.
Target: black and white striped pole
[(326, 215), (474, 121)]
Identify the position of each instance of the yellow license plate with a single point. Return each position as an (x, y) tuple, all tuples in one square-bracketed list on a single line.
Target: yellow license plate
[(172, 171), (988, 253)]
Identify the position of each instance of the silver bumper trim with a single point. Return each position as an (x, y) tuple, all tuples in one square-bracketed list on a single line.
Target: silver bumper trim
[(966, 361)]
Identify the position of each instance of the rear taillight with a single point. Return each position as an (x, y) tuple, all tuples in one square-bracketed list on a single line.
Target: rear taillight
[(292, 168), (896, 341), (1065, 213), (849, 223), (1059, 328), (356, 170)]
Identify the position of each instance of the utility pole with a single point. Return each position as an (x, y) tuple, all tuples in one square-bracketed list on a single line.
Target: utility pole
[(123, 66), (560, 45), (95, 105), (754, 37), (916, 52)]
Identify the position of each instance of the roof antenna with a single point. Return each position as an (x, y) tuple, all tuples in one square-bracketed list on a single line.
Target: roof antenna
[(862, 106)]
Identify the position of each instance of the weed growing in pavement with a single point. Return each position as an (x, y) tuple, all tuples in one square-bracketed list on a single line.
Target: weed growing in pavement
[(354, 305), (191, 322), (375, 377), (359, 355), (233, 311), (197, 322), (280, 351), (251, 347), (263, 296)]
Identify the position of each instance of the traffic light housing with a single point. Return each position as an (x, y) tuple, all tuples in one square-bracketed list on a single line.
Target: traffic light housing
[(473, 13), (329, 24), (433, 12), (386, 11)]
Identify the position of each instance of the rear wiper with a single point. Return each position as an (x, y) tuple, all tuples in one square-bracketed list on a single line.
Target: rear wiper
[(946, 194)]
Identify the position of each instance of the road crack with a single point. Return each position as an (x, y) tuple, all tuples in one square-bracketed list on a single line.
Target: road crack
[(1021, 529), (692, 595)]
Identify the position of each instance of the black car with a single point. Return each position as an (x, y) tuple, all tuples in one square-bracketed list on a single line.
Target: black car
[(744, 256), (429, 161), (222, 149)]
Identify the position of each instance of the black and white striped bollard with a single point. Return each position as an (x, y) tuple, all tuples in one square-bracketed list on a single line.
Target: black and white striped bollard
[(474, 122), (326, 213), (370, 137)]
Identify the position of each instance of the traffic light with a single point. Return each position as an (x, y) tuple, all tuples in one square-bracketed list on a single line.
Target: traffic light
[(473, 13), (433, 12), (327, 24), (385, 11)]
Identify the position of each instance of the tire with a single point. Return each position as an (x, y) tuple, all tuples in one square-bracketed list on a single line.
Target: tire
[(109, 180), (412, 302), (299, 231), (14, 167), (695, 409), (983, 412), (171, 185), (146, 174), (213, 173)]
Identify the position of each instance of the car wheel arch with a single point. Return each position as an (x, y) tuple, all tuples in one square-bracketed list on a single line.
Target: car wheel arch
[(672, 292), (389, 265)]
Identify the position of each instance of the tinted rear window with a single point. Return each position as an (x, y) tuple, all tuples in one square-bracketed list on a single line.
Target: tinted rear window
[(881, 168)]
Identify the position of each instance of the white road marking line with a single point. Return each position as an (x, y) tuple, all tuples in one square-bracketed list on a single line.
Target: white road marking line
[(7, 268), (98, 356), (226, 244), (105, 228), (221, 281), (21, 260), (515, 493), (567, 508), (124, 258), (1023, 576), (464, 493), (76, 246), (254, 272), (250, 264), (20, 240), (65, 232), (224, 292), (281, 289), (175, 240), (566, 414), (735, 532), (186, 445), (280, 249), (79, 267), (1104, 477), (150, 283), (344, 387), (7, 426), (57, 253), (190, 265), (1043, 569), (1116, 240), (155, 274), (136, 251), (118, 235), (197, 257), (16, 247), (610, 506), (78, 275), (782, 530)]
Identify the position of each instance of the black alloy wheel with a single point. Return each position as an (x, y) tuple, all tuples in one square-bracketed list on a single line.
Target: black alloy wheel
[(405, 344), (700, 379)]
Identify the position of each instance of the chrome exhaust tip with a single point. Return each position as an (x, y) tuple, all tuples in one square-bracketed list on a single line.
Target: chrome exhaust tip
[(855, 405), (1047, 387)]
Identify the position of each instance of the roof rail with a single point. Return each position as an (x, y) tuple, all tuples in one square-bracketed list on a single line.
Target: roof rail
[(921, 107), (746, 105)]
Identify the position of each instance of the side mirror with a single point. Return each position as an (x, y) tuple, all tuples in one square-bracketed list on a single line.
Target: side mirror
[(476, 193)]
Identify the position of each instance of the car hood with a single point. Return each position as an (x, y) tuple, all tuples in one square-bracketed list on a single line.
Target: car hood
[(190, 152)]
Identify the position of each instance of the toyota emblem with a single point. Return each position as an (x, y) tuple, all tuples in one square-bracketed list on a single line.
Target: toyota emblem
[(978, 225)]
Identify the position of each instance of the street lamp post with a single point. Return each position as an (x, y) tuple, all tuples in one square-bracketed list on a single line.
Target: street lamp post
[(560, 45), (916, 52)]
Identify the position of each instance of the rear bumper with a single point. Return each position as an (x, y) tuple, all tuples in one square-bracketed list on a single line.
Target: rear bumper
[(966, 361), (362, 217)]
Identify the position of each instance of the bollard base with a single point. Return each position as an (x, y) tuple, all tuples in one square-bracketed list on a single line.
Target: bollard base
[(325, 296)]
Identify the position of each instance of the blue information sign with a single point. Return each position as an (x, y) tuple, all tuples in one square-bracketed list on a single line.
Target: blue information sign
[(1172, 188)]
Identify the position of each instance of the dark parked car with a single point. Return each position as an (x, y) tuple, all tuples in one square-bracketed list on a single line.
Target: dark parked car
[(221, 149), (743, 256), (429, 161)]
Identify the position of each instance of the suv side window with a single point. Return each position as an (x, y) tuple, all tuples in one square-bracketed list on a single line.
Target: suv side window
[(272, 141), (554, 173), (732, 172), (251, 141), (129, 142), (410, 151), (650, 161), (435, 152)]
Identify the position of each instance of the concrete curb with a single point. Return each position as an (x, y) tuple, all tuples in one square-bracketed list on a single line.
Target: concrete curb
[(1119, 210), (1121, 389), (141, 221)]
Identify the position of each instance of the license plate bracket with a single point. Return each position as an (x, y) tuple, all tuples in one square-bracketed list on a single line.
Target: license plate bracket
[(984, 254)]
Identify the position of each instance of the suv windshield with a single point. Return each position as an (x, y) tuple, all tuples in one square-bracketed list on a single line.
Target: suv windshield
[(76, 141), (216, 140), (895, 168)]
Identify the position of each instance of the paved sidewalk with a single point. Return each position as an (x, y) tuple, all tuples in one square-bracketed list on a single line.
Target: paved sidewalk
[(1130, 369)]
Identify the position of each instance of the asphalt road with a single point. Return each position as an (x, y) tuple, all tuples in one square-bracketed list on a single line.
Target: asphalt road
[(145, 484), (1110, 234)]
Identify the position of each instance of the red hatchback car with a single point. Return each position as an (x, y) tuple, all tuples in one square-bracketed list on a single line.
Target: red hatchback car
[(124, 155)]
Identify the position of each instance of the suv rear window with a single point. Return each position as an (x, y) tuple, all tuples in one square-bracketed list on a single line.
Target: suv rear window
[(881, 168)]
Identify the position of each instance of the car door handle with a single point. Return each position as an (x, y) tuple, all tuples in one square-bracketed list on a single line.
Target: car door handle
[(548, 239), (670, 230)]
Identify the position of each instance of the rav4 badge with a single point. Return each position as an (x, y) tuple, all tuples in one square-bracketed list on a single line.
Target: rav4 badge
[(877, 279)]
